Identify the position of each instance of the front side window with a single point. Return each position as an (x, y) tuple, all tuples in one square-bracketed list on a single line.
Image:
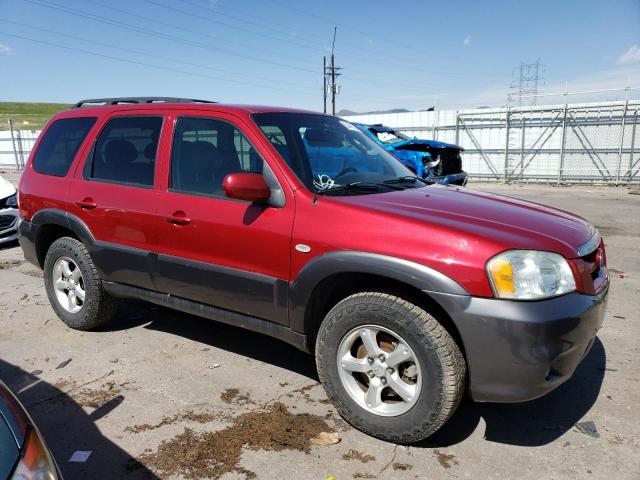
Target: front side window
[(330, 155), (60, 144), (126, 151), (206, 150)]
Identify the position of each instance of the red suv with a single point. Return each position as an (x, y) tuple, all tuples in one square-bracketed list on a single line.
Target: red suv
[(299, 226)]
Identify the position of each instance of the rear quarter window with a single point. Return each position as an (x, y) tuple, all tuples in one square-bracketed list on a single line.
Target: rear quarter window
[(59, 145)]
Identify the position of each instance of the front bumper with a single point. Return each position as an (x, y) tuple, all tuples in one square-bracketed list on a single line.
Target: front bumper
[(517, 351), (453, 179), (8, 225)]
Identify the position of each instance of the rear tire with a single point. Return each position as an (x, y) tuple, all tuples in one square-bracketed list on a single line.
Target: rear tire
[(414, 355), (74, 287)]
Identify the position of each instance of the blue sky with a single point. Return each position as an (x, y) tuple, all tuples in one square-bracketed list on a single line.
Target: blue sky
[(394, 54)]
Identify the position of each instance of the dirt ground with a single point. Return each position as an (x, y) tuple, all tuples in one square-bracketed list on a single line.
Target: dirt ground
[(160, 394)]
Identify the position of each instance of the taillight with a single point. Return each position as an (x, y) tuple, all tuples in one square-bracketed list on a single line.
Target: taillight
[(36, 463)]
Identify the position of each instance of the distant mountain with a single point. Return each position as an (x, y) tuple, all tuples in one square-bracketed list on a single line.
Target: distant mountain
[(344, 112)]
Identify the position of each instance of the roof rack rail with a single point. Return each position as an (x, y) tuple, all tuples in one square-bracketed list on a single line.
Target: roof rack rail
[(134, 100)]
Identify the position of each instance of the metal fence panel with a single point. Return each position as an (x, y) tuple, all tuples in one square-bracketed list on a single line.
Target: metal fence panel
[(597, 142), (15, 147)]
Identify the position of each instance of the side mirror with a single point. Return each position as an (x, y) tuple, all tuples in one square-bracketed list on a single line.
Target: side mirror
[(246, 186)]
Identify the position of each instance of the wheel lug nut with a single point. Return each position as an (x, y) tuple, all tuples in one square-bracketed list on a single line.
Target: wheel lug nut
[(389, 370), (370, 360), (383, 380), (381, 357), (371, 374)]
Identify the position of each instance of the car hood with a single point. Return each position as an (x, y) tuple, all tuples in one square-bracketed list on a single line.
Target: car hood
[(6, 188), (503, 221)]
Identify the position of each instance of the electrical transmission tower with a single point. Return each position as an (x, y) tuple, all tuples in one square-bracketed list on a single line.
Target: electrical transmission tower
[(528, 78), (330, 75)]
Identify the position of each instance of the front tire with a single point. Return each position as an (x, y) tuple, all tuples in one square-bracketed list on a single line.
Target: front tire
[(389, 367), (74, 287)]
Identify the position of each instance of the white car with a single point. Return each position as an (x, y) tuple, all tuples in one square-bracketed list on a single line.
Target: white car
[(8, 212)]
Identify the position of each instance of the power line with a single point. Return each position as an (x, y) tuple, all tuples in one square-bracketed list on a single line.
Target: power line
[(287, 41), (136, 62), (154, 33), (152, 55), (362, 32), (218, 22), (126, 26), (174, 38), (356, 55)]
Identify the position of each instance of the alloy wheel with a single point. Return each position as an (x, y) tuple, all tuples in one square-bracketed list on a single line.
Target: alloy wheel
[(379, 370)]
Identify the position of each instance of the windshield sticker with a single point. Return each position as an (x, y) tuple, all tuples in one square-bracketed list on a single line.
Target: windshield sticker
[(323, 182)]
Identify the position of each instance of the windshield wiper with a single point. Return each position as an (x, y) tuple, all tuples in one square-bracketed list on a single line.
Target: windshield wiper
[(359, 186), (407, 179)]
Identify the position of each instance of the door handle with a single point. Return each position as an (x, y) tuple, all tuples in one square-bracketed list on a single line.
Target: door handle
[(178, 218), (87, 204)]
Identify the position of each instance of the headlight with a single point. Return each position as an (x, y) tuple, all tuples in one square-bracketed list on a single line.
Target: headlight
[(12, 201), (529, 275)]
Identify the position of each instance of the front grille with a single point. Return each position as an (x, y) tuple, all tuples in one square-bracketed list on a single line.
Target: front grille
[(6, 221)]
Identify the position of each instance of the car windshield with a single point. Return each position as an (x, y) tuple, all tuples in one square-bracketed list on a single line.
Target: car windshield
[(330, 155), (389, 137)]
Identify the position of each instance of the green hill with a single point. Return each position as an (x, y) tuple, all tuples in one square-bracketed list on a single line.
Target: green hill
[(28, 116)]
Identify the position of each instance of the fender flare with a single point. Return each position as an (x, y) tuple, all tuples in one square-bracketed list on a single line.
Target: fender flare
[(49, 216), (31, 231), (323, 266)]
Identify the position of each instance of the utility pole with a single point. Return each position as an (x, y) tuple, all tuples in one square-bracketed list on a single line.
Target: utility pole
[(324, 83), (331, 73), (333, 81)]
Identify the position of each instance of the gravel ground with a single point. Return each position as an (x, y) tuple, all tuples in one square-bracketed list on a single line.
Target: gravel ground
[(158, 394)]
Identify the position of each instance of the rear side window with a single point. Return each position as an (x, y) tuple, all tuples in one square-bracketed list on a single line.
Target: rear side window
[(60, 144), (125, 151)]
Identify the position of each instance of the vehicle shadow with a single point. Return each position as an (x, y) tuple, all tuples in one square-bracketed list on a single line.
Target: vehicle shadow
[(215, 334), (66, 427), (534, 423)]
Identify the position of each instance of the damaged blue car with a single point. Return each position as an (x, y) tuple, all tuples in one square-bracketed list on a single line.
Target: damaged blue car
[(429, 159)]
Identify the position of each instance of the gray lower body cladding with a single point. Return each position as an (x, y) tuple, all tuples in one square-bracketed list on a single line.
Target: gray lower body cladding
[(517, 351)]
